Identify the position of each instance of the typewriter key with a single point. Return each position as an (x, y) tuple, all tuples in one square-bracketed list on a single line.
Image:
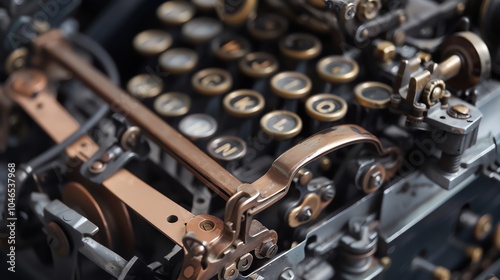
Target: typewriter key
[(291, 85), (300, 46), (258, 64), (244, 103), (152, 42), (281, 125), (175, 12), (198, 126), (178, 61), (325, 107), (145, 86), (373, 95), (201, 30), (227, 148), (230, 47), (268, 27), (337, 69), (172, 104), (212, 81)]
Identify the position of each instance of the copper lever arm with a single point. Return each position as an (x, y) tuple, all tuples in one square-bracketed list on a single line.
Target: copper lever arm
[(200, 164)]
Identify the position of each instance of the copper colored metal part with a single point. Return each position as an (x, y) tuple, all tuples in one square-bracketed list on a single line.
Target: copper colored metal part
[(200, 164), (146, 201), (108, 213), (245, 200)]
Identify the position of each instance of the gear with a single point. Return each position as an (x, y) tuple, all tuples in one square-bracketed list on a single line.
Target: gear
[(433, 92)]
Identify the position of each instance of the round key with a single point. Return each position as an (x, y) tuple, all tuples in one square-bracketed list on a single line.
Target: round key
[(175, 12), (244, 103), (236, 12), (281, 125), (258, 64), (326, 107), (172, 104), (301, 46), (373, 95), (152, 42), (178, 60), (230, 47), (212, 81), (227, 148), (201, 30), (145, 86), (268, 27), (291, 85), (198, 126), (338, 69)]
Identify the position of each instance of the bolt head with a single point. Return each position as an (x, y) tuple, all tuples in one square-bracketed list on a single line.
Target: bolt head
[(305, 214)]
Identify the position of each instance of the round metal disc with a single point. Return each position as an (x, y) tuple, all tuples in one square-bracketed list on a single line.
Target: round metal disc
[(258, 64), (281, 125), (198, 126), (145, 86), (178, 60), (326, 107), (201, 30), (227, 148), (175, 12), (301, 46), (337, 69), (244, 103), (373, 95), (172, 104), (212, 81), (152, 42), (291, 85)]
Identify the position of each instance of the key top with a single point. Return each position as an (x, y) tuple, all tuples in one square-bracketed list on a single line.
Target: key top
[(198, 126), (174, 13), (145, 86), (212, 81), (178, 60), (290, 86), (301, 46), (152, 42), (373, 95), (172, 104), (201, 30), (242, 106), (325, 109), (281, 126), (268, 27), (228, 150), (337, 70)]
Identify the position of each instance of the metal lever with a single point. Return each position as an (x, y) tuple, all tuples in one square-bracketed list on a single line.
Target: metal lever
[(273, 185)]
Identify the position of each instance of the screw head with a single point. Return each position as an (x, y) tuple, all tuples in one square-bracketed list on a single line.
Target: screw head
[(459, 111), (97, 167), (305, 214)]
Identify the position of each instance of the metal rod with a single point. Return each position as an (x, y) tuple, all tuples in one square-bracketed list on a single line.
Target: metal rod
[(200, 164)]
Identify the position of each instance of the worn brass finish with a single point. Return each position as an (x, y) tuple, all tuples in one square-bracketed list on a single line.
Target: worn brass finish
[(152, 42), (301, 46), (28, 82), (202, 166), (244, 200), (16, 60), (175, 12), (244, 103), (145, 86), (326, 107), (291, 85), (258, 64), (212, 81), (385, 51), (178, 60), (172, 104), (274, 124), (316, 205), (370, 101), (338, 69)]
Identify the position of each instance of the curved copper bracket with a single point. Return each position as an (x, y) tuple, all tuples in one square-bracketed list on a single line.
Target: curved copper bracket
[(273, 185)]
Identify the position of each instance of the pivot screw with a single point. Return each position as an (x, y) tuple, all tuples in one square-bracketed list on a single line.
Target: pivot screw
[(459, 111)]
